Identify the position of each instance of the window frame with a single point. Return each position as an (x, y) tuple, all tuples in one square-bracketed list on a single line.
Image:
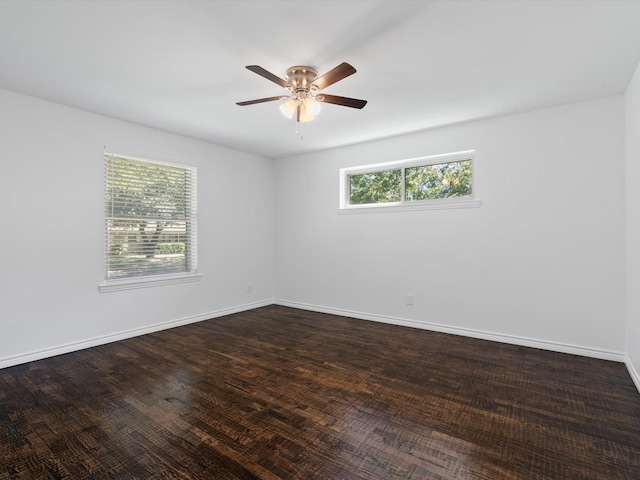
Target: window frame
[(469, 201), (151, 280)]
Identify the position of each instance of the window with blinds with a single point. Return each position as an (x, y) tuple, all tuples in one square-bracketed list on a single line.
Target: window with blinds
[(150, 217)]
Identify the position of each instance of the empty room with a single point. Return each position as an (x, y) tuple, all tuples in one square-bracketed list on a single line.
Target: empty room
[(320, 240)]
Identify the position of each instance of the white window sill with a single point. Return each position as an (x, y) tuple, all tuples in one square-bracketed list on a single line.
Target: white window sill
[(409, 207), (146, 282)]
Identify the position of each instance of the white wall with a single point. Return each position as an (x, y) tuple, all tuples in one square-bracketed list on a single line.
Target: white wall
[(541, 262), (632, 143), (52, 231)]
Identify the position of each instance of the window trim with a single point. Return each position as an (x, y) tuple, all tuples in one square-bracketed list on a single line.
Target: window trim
[(145, 282), (129, 283), (403, 205)]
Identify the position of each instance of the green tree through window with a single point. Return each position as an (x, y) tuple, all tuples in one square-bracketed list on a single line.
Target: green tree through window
[(444, 180), (376, 187)]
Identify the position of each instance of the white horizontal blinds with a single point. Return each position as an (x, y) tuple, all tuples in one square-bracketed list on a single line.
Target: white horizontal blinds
[(151, 218)]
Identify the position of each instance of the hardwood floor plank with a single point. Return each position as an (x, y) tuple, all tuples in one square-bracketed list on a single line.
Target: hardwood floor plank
[(279, 393)]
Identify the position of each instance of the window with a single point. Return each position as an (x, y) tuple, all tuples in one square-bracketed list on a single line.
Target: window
[(440, 181), (375, 187), (151, 222)]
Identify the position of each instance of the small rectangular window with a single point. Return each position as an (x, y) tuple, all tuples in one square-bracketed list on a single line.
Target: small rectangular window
[(150, 217), (418, 182)]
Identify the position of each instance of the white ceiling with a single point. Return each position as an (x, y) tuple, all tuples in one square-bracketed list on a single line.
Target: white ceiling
[(180, 65)]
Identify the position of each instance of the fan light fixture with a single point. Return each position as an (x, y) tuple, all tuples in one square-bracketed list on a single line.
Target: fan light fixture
[(312, 106), (289, 108), (309, 108)]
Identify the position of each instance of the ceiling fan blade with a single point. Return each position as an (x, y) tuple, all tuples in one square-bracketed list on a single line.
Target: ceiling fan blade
[(268, 75), (332, 76), (344, 101), (260, 100)]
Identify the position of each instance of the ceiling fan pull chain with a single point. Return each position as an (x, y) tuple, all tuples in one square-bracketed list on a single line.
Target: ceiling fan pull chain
[(300, 130)]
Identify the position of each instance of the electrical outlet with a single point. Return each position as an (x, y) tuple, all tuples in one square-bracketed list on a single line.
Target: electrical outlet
[(249, 288), (409, 297)]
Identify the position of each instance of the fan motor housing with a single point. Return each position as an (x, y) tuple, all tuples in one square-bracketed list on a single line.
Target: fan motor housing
[(301, 77)]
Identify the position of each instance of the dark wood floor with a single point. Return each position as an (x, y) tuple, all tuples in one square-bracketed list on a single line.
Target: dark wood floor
[(279, 393)]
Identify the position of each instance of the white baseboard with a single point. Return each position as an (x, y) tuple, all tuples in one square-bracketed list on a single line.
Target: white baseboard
[(93, 342), (496, 337), (527, 342), (634, 373)]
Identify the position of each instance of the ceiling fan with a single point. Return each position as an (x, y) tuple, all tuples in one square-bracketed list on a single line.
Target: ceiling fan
[(304, 84)]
